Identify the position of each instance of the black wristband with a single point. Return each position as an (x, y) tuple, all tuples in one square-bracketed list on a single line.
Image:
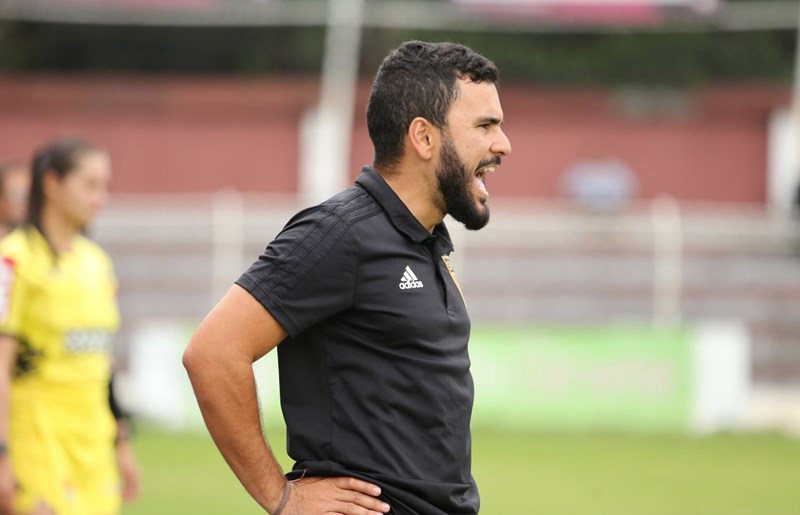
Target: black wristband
[(3, 448)]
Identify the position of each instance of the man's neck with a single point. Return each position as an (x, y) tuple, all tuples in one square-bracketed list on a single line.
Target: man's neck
[(418, 197)]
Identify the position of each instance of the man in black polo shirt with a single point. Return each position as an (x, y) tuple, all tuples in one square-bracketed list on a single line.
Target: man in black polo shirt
[(360, 294)]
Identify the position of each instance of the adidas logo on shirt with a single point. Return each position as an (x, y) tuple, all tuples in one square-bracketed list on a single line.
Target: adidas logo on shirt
[(409, 280)]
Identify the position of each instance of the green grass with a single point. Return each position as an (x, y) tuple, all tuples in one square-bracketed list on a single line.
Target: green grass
[(522, 474)]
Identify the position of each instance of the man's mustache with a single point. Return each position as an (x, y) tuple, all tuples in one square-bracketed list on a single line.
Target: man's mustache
[(495, 160)]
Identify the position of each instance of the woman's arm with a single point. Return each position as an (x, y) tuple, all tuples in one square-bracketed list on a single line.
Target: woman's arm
[(8, 355)]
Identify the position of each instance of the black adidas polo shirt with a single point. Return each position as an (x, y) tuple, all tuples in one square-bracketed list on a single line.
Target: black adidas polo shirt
[(375, 380)]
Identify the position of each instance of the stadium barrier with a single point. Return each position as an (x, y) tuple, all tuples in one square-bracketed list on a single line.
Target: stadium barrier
[(667, 286)]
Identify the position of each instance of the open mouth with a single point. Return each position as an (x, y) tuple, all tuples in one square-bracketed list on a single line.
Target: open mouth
[(480, 178)]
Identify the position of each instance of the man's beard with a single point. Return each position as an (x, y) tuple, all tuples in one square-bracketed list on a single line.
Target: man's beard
[(455, 187)]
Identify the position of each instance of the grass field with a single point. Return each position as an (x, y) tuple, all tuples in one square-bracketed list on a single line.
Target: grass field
[(531, 474)]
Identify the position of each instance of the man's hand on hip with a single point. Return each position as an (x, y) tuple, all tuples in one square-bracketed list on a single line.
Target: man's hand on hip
[(340, 495)]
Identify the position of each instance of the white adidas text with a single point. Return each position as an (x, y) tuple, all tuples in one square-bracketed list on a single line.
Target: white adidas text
[(409, 280)]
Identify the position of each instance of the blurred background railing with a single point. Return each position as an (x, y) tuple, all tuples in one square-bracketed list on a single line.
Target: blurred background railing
[(542, 263)]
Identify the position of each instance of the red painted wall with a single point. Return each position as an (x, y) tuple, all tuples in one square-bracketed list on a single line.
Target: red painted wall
[(166, 135), (202, 134)]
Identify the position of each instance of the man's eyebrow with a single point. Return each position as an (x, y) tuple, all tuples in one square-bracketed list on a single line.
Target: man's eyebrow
[(492, 120)]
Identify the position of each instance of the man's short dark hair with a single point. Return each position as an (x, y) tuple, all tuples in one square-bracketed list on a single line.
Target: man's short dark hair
[(418, 79)]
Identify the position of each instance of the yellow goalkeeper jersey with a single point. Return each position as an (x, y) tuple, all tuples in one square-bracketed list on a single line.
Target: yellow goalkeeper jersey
[(61, 308)]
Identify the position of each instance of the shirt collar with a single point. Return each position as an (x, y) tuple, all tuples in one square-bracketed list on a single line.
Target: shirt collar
[(402, 219), (36, 238)]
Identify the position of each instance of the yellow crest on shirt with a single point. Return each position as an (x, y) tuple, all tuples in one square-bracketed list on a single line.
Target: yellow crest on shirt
[(452, 271)]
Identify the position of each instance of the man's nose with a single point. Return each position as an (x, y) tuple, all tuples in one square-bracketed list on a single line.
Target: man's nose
[(502, 146)]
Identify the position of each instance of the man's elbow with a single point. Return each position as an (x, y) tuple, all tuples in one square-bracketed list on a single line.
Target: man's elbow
[(193, 357)]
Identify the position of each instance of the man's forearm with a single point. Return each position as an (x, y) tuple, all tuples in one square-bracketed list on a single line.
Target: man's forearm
[(226, 394)]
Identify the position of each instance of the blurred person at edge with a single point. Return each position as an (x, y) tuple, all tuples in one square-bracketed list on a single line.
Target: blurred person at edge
[(14, 184), (62, 450), (362, 303)]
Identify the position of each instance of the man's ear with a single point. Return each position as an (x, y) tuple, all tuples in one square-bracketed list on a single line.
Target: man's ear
[(423, 138)]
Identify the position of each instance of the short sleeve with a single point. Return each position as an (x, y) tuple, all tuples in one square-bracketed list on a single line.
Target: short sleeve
[(11, 296), (307, 273), (111, 275), (113, 289)]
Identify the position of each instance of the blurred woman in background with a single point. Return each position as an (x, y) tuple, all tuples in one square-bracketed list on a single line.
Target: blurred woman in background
[(14, 185), (61, 450)]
